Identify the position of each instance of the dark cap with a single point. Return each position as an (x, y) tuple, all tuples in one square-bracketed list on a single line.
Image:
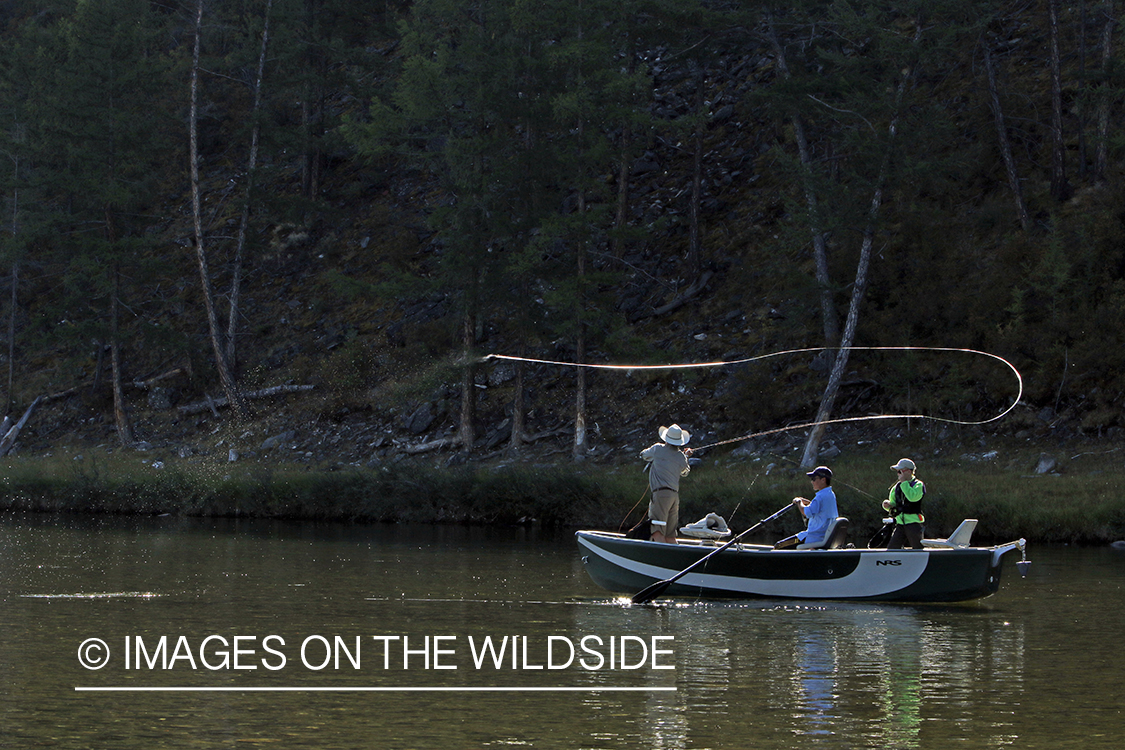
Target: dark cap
[(820, 471)]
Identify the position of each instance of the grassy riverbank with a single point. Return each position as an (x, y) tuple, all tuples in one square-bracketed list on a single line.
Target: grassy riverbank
[(1082, 505)]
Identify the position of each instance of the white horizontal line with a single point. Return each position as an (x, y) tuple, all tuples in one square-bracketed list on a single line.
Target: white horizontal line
[(116, 689)]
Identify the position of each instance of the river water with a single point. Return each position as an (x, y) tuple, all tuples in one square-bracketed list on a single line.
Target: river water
[(249, 634)]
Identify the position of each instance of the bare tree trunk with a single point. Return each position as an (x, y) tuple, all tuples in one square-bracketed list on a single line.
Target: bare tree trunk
[(695, 250), (581, 444), (1082, 77), (836, 376), (312, 106), (1101, 152), (519, 427), (244, 221), (99, 367), (831, 321), (580, 438), (228, 384), (624, 170), (12, 338), (829, 317), (1060, 188), (466, 432), (859, 289), (120, 415), (621, 219), (1005, 144), (11, 434), (19, 136)]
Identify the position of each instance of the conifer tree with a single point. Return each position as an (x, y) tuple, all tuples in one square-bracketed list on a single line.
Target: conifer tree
[(591, 93), (100, 122), (1104, 91), (460, 102), (15, 81)]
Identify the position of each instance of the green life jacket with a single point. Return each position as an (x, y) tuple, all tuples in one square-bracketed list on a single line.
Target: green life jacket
[(907, 507)]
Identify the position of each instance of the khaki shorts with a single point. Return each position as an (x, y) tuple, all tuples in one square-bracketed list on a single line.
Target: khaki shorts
[(665, 506)]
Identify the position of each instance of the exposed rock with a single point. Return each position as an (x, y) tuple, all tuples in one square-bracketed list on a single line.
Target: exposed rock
[(501, 373), (747, 450), (830, 452), (502, 434), (420, 420), (276, 440), (1046, 465), (723, 113)]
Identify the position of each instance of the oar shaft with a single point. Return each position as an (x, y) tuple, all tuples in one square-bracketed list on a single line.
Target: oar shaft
[(657, 588)]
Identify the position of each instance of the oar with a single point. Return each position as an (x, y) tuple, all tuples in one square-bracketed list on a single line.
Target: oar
[(657, 588)]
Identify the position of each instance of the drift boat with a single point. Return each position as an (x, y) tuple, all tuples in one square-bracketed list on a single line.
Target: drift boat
[(945, 570)]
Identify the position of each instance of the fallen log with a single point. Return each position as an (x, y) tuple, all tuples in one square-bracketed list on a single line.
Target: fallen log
[(681, 299), (547, 434), (686, 296), (61, 394), (431, 445), (9, 439), (212, 404), (150, 382)]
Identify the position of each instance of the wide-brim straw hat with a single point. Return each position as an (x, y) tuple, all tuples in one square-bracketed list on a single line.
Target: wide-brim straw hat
[(674, 435)]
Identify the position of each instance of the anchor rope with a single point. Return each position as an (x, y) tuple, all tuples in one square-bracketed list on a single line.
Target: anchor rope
[(805, 350)]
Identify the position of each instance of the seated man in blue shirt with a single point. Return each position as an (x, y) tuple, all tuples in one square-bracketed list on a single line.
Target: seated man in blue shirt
[(819, 512)]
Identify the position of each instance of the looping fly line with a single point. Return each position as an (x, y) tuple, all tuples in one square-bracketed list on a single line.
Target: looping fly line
[(840, 420)]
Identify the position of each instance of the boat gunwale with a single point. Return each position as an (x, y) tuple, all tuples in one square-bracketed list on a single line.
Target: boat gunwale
[(711, 545)]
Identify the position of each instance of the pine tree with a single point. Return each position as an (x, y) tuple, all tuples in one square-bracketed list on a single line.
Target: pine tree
[(459, 106), (15, 83), (100, 126)]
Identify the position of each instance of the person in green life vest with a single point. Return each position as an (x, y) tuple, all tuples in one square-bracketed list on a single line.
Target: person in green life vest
[(904, 503)]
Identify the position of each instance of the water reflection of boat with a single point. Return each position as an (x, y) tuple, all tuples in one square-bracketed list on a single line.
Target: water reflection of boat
[(938, 573)]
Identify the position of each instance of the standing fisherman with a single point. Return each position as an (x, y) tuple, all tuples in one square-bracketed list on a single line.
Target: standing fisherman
[(667, 463), (904, 503)]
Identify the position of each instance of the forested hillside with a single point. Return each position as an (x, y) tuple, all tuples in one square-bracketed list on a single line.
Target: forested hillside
[(357, 200)]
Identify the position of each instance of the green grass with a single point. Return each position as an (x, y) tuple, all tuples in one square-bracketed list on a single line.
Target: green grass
[(1082, 505)]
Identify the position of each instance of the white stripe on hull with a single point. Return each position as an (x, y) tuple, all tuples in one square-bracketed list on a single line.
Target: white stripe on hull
[(867, 580)]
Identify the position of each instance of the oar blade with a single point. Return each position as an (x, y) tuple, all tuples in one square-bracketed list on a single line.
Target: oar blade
[(650, 593)]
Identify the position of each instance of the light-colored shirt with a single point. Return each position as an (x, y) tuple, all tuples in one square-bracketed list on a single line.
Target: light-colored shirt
[(820, 512), (667, 465)]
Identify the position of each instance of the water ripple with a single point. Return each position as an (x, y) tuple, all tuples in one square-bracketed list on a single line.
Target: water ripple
[(96, 595)]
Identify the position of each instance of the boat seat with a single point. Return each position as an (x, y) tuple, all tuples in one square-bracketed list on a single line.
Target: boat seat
[(960, 538), (834, 536)]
